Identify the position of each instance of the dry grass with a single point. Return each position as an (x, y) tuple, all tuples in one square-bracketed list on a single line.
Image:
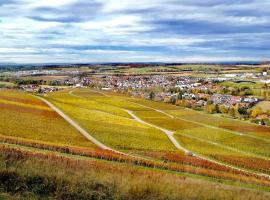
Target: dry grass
[(51, 176)]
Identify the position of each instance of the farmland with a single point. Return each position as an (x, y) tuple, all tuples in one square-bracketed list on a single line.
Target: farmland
[(104, 116), (264, 105), (23, 116), (247, 147), (110, 124), (223, 123)]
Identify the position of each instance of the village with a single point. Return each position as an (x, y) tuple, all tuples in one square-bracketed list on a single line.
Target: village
[(202, 94)]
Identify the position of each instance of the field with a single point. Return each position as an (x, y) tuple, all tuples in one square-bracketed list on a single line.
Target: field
[(204, 127), (106, 117), (23, 116), (232, 145), (257, 88), (264, 105), (223, 123), (111, 124), (6, 84)]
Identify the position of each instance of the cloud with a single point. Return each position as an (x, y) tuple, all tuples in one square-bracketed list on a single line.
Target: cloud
[(69, 13), (135, 30)]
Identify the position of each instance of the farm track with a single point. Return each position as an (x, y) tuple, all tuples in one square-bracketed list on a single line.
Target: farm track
[(167, 132), (80, 129), (207, 126), (170, 133), (177, 145)]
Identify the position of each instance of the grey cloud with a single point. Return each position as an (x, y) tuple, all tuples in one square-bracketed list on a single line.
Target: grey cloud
[(75, 12)]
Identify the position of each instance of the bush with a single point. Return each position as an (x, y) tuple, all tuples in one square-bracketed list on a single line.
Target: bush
[(39, 185), (11, 182)]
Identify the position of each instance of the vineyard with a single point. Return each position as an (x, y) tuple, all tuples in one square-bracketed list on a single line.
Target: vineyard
[(210, 139), (30, 125), (25, 117)]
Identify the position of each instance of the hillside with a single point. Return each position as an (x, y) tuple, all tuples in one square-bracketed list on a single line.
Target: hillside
[(143, 137)]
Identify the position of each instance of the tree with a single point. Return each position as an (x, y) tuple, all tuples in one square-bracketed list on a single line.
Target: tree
[(173, 100), (242, 111), (232, 112), (265, 86), (180, 95), (152, 95), (210, 108), (223, 109), (255, 112)]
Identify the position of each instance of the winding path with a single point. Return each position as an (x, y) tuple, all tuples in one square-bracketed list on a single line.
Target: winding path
[(178, 146), (167, 132), (80, 129), (188, 152), (201, 124)]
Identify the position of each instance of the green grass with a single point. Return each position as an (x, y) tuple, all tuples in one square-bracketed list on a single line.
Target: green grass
[(241, 84), (6, 84)]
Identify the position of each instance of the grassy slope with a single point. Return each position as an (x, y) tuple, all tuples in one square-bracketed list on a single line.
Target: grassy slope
[(39, 175)]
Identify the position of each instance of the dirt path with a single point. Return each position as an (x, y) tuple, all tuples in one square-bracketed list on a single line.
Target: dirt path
[(79, 128), (176, 143), (178, 146), (202, 124), (188, 152), (167, 132)]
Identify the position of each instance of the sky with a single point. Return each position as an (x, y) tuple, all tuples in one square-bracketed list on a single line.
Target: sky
[(87, 31)]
